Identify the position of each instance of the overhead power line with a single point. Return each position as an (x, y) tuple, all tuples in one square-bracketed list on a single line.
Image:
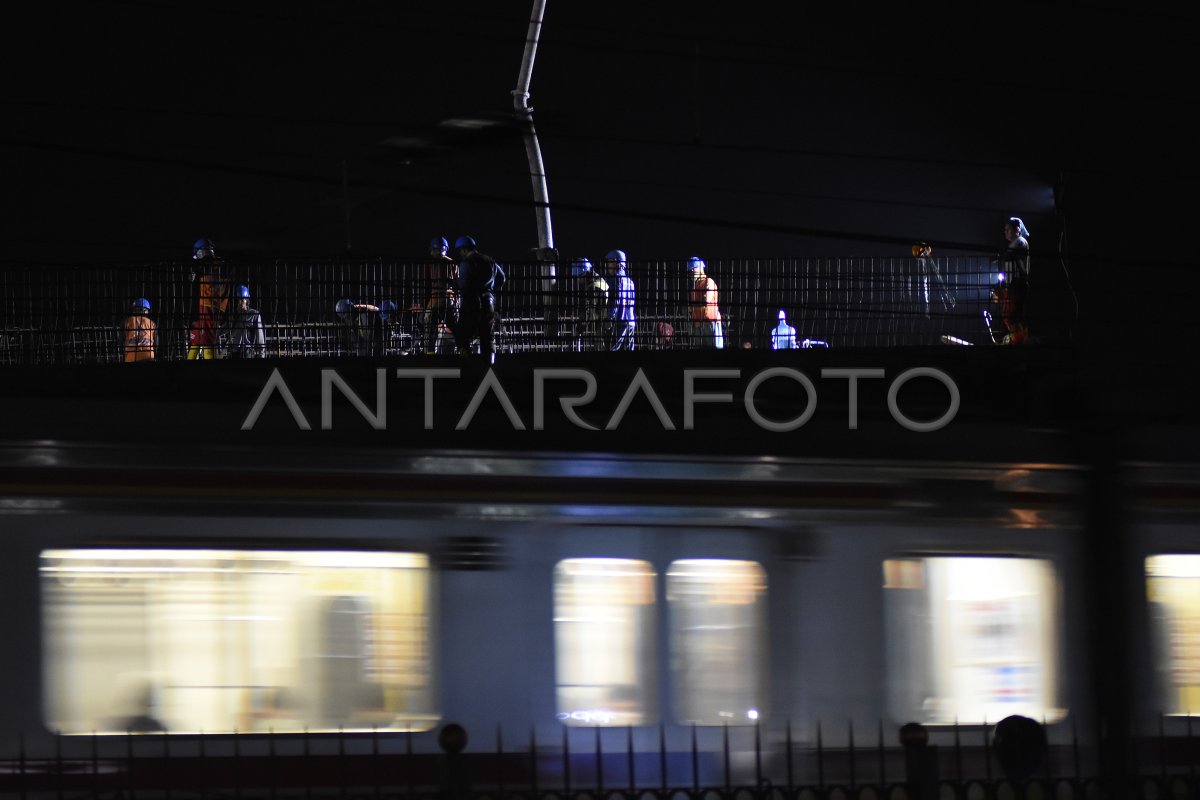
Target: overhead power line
[(1126, 166), (623, 212)]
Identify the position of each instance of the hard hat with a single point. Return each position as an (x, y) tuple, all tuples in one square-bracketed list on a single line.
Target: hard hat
[(1018, 226), (465, 241), (242, 292), (344, 307), (921, 249), (696, 264), (439, 244), (141, 304), (387, 308), (616, 255), (203, 248), (580, 266)]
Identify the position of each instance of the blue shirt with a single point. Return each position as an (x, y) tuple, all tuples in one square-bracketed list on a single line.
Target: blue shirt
[(621, 298)]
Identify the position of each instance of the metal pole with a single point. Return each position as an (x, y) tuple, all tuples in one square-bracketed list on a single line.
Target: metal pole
[(537, 170)]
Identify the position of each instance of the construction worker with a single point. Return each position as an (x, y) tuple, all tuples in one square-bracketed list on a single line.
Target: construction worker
[(441, 309), (706, 311), (783, 336), (590, 300), (1012, 290), (479, 277), (622, 316), (247, 338), (140, 332), (358, 327), (207, 273)]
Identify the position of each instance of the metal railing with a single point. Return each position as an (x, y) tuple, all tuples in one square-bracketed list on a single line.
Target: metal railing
[(74, 315), (755, 763)]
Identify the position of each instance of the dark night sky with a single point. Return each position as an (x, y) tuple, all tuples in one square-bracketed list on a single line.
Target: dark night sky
[(134, 127)]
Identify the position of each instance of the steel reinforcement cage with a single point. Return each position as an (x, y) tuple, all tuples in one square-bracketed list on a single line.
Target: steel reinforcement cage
[(76, 314)]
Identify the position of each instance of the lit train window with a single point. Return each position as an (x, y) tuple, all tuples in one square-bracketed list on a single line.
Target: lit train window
[(971, 639), (717, 640), (219, 641), (604, 641), (1173, 592)]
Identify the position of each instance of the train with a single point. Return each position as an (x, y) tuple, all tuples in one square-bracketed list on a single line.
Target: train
[(728, 594)]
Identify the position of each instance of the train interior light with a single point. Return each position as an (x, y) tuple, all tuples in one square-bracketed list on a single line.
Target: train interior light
[(221, 641)]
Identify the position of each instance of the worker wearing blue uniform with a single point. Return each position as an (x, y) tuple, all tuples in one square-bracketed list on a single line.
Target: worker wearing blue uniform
[(622, 315), (247, 336), (783, 336)]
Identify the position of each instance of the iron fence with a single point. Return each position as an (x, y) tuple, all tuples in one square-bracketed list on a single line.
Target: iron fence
[(590, 763), (78, 314)]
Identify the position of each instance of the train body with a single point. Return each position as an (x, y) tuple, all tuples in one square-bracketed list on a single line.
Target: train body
[(784, 594)]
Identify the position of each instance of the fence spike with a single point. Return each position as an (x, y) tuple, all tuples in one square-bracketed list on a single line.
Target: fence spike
[(1191, 759), (987, 752), (957, 754), (94, 758), (757, 754), (853, 775), (377, 789), (166, 743), (533, 759), (599, 762), (271, 757), (408, 761), (21, 767), (1162, 749), (820, 757), (882, 759), (499, 761), (695, 762), (629, 749), (725, 747), (566, 761), (788, 743), (662, 755), (58, 766)]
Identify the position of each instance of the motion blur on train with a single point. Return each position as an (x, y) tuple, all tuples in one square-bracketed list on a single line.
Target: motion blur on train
[(952, 607)]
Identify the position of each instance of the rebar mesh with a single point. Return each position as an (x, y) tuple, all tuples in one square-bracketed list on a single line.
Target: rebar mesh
[(72, 315)]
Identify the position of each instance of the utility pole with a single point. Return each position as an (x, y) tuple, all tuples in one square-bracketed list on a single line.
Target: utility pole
[(537, 170)]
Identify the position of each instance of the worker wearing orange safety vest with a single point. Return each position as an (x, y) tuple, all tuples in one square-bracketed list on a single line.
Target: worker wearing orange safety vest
[(706, 311), (202, 338), (139, 333)]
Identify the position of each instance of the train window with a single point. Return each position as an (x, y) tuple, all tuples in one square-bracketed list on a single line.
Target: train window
[(717, 640), (219, 641), (1173, 593), (604, 640), (971, 639)]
